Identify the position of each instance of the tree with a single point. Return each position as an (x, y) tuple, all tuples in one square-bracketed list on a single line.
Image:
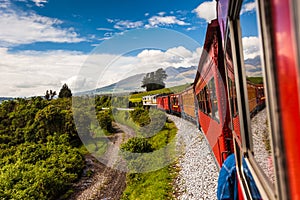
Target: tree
[(52, 94), (154, 80), (47, 95), (65, 92)]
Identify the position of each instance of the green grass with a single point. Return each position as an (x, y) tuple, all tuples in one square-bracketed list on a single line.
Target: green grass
[(122, 117), (255, 80), (156, 184), (151, 185)]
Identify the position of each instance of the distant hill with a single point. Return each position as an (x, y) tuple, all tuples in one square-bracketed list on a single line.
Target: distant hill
[(176, 76), (5, 99)]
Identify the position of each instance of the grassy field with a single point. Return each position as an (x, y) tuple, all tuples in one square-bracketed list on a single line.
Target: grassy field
[(256, 80), (155, 184)]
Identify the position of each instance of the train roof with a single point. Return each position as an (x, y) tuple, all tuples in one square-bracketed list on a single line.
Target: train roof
[(211, 31)]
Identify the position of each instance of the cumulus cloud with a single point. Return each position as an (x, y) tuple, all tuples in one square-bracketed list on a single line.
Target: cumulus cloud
[(18, 27), (206, 10), (251, 47), (32, 73), (248, 7), (156, 21), (35, 72)]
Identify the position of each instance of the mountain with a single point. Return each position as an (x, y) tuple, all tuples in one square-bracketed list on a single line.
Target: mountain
[(176, 76), (5, 99), (253, 67), (253, 61)]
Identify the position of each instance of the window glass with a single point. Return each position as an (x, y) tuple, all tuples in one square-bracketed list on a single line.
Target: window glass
[(213, 101), (255, 89)]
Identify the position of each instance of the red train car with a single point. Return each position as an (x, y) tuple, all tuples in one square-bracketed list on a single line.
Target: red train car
[(163, 102), (211, 94), (174, 104), (277, 41)]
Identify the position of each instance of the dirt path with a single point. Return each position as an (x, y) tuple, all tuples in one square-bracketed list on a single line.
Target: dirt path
[(104, 181)]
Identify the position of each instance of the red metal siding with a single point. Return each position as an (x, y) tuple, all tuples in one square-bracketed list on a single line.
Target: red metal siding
[(285, 52)]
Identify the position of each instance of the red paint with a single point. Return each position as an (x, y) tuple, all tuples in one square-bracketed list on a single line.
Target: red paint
[(286, 67)]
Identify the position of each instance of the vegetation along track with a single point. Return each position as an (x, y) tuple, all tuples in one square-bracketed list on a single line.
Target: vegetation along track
[(102, 181)]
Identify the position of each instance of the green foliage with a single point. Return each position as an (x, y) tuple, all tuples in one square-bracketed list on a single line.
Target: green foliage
[(154, 80), (137, 145), (156, 184), (102, 102), (105, 121), (65, 92), (151, 185), (39, 157), (140, 116)]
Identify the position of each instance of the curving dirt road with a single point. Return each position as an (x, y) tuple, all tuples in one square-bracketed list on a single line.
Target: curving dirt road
[(100, 181)]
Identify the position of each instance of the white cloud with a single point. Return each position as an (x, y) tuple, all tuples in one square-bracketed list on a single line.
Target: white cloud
[(32, 73), (104, 29), (253, 71), (40, 3), (251, 47), (161, 13), (4, 3), (156, 21), (206, 10), (126, 24), (18, 27), (248, 7)]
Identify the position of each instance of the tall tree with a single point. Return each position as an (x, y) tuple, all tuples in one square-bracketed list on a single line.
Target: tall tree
[(47, 95), (65, 92), (52, 94), (154, 80)]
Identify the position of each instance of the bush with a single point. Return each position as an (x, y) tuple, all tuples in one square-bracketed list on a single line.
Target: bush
[(137, 145), (140, 116), (105, 121)]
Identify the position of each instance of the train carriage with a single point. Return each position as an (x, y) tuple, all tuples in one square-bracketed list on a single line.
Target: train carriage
[(187, 104), (278, 39), (163, 102), (211, 94), (174, 104)]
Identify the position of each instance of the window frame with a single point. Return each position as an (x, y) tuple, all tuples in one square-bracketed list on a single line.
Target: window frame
[(244, 148)]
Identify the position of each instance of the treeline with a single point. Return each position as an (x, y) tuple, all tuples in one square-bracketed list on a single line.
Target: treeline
[(40, 153)]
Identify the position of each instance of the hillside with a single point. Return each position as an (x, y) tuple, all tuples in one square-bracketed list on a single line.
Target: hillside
[(176, 76)]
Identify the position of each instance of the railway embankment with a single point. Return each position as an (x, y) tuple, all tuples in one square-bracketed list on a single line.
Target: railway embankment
[(198, 173)]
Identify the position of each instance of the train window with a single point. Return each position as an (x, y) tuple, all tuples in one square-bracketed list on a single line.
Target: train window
[(213, 101), (258, 114), (233, 98)]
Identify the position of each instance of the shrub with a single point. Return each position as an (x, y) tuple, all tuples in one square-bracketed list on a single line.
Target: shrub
[(137, 145), (105, 121)]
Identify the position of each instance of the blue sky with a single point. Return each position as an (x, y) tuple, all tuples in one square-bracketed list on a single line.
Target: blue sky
[(45, 43)]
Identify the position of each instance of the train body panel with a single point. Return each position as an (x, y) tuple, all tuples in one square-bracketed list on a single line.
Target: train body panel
[(163, 103), (174, 104), (187, 103), (149, 100), (225, 101), (210, 91)]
